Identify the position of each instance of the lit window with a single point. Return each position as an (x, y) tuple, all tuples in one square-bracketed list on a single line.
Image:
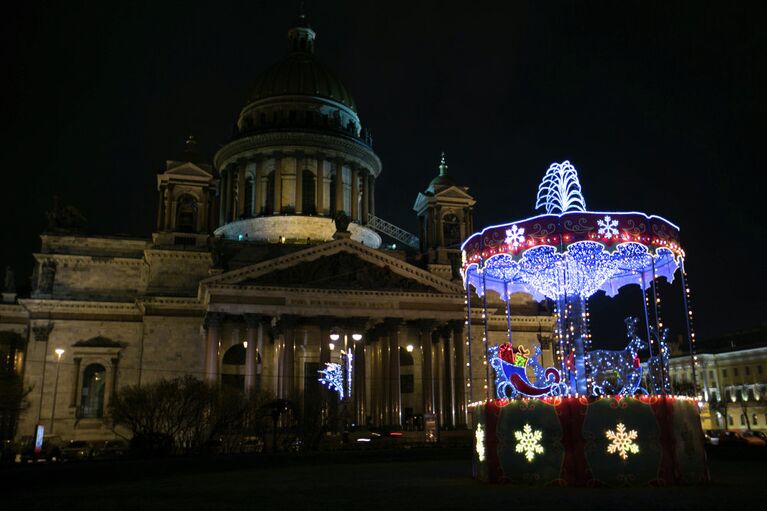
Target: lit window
[(754, 422), (92, 395), (742, 419)]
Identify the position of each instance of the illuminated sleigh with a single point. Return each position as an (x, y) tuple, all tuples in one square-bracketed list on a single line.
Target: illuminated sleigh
[(510, 366)]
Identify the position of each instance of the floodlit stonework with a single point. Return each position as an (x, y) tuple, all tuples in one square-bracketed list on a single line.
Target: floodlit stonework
[(276, 244)]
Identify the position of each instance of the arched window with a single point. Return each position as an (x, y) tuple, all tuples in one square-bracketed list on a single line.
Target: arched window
[(451, 230), (92, 395), (308, 190), (186, 214), (233, 367), (269, 203)]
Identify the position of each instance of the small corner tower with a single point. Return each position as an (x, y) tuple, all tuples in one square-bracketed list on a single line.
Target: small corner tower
[(187, 193), (445, 213)]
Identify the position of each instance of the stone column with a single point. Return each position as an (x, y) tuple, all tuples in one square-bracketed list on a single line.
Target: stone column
[(436, 376), (355, 193), (339, 185), (299, 183), (254, 337), (213, 323), (372, 195), (320, 188), (168, 207), (360, 408), (447, 381), (75, 381), (459, 379), (395, 409), (277, 184), (161, 210), (427, 383), (258, 204), (221, 188), (241, 168), (229, 193), (365, 196)]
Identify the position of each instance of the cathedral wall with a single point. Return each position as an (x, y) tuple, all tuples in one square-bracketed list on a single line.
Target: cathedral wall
[(173, 347), (96, 276), (121, 365), (174, 273)]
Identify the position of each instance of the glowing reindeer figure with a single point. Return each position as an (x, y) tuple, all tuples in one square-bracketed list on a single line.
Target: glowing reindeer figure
[(617, 371), (657, 365)]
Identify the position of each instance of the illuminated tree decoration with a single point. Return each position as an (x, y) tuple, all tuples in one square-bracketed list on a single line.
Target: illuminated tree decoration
[(622, 441), (333, 378), (528, 442), (560, 190), (479, 435), (608, 227), (515, 236)]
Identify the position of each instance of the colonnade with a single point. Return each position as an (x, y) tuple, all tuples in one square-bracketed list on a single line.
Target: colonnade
[(292, 348), (274, 184)]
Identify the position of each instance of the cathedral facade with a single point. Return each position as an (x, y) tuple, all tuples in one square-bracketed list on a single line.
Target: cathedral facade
[(266, 264)]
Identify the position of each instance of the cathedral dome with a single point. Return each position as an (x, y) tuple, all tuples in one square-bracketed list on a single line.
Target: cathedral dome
[(300, 74)]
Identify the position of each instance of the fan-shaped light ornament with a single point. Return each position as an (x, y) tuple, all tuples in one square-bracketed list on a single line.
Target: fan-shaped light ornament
[(560, 190)]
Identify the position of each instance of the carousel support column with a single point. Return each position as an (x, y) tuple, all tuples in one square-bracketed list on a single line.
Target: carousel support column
[(486, 333), (650, 376), (425, 328), (355, 193), (458, 375), (688, 323), (213, 323), (252, 333), (447, 381), (578, 329), (395, 416), (658, 327), (365, 196), (470, 382)]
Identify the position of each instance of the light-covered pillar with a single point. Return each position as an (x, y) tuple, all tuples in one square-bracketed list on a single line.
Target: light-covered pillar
[(213, 323)]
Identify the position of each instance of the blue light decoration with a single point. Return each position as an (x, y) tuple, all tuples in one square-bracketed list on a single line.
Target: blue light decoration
[(560, 190), (511, 381), (333, 378), (567, 255), (338, 377), (657, 365)]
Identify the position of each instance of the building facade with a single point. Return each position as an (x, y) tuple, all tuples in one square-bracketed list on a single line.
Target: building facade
[(257, 259)]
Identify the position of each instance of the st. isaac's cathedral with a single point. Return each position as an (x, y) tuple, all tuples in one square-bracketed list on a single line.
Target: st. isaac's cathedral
[(266, 263)]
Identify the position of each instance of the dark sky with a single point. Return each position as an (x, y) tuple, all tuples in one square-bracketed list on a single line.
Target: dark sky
[(660, 106)]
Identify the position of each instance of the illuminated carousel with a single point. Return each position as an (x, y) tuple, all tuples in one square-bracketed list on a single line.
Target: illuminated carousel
[(592, 417)]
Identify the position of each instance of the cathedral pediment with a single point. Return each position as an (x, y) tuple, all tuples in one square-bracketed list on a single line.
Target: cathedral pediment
[(341, 264), (187, 169)]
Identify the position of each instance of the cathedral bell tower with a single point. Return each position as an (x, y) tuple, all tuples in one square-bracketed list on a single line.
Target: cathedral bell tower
[(187, 195), (445, 213)]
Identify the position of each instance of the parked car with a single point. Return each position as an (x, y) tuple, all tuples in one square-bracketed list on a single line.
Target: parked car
[(77, 450), (110, 449), (741, 438), (753, 438), (50, 451), (712, 437)]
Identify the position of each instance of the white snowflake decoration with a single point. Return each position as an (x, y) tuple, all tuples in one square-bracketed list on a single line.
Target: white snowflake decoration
[(528, 442), (622, 441), (480, 448), (608, 227), (515, 236)]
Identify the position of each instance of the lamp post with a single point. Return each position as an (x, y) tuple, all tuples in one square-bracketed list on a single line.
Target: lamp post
[(58, 352)]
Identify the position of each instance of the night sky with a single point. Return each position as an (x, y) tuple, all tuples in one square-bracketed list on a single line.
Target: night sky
[(660, 105)]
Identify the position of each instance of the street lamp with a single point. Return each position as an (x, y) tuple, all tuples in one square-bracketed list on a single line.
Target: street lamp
[(58, 352)]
